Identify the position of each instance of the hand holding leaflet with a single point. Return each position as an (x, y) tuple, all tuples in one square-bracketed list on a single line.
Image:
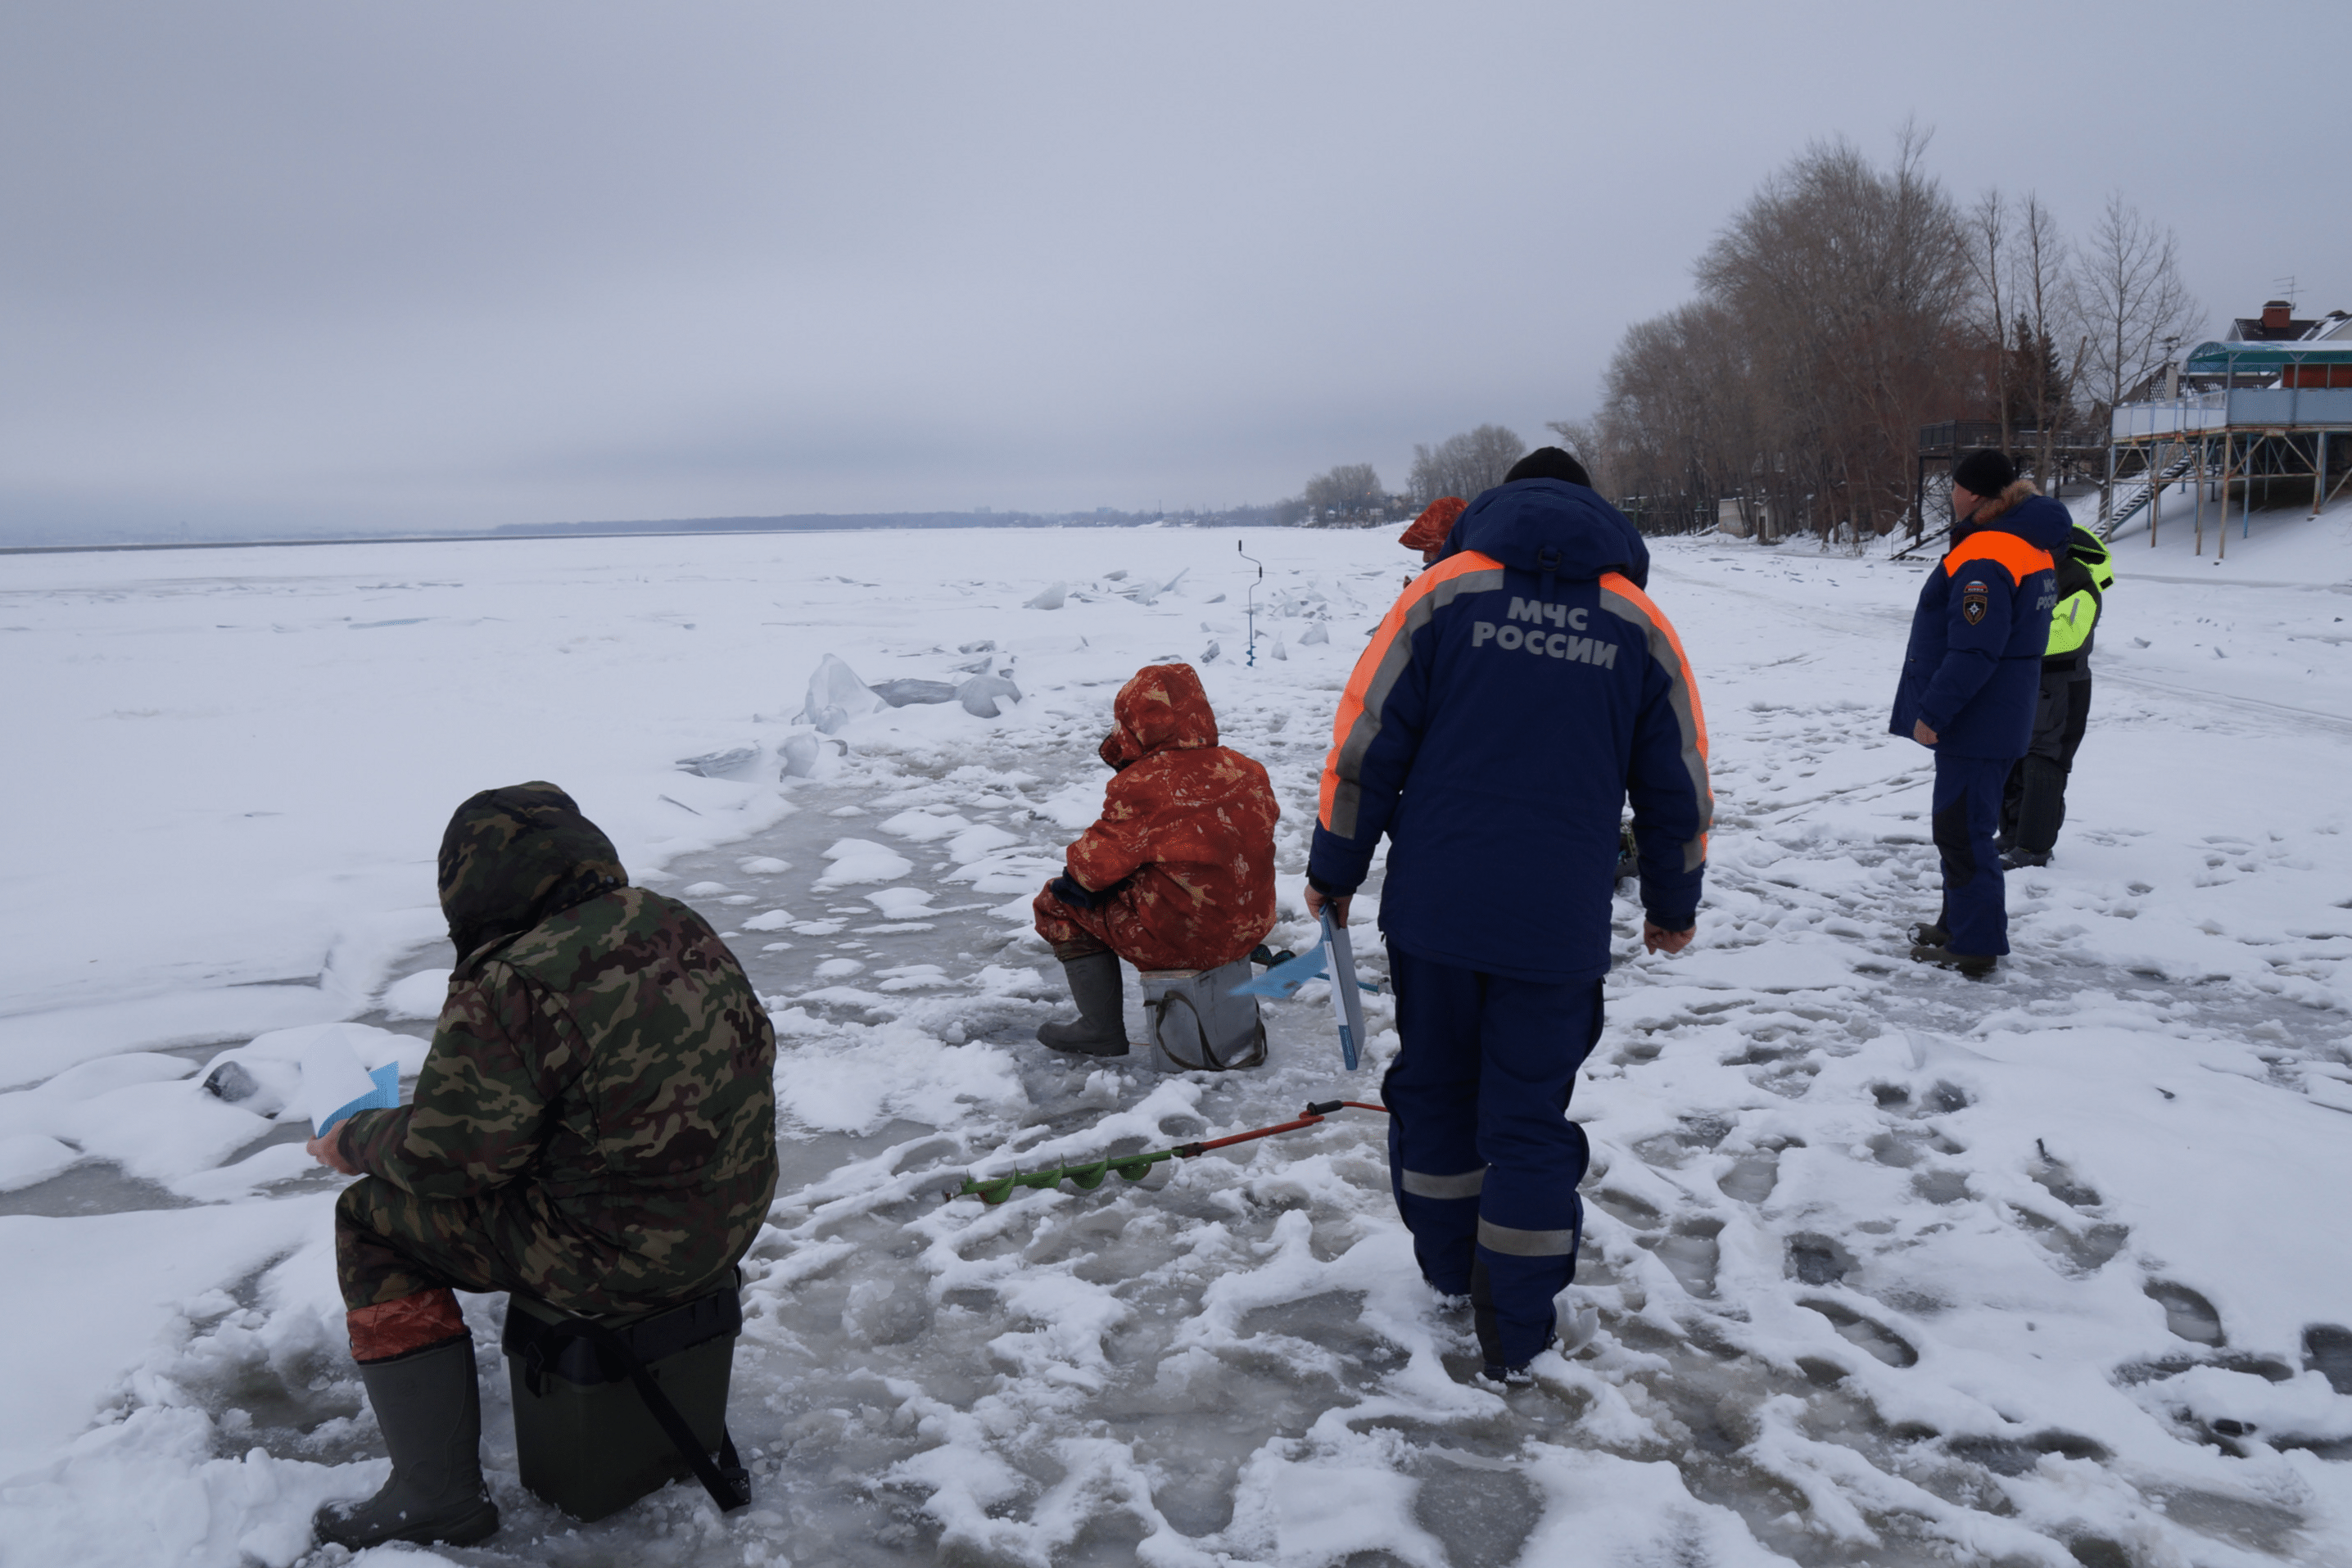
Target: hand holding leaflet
[(335, 1084)]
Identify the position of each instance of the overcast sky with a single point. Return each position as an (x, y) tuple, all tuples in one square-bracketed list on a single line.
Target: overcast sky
[(442, 265)]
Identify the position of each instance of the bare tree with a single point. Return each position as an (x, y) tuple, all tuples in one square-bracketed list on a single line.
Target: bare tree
[(1988, 237), (1349, 493), (1465, 465), (1848, 284), (2131, 302), (2039, 287)]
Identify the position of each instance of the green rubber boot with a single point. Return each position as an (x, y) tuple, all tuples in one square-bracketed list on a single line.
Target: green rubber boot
[(431, 1413), (1101, 992)]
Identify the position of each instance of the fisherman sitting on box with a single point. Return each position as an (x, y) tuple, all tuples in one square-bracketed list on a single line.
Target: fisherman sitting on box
[(594, 1128), (1179, 871)]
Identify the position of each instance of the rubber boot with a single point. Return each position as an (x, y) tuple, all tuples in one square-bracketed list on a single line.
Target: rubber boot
[(431, 1413), (1102, 994)]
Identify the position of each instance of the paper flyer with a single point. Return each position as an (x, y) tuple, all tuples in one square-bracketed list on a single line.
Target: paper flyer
[(335, 1084)]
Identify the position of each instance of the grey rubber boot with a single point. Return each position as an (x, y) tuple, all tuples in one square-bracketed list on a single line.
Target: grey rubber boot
[(1101, 995), (431, 1413)]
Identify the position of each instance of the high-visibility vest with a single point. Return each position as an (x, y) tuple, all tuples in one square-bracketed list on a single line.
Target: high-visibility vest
[(2077, 614)]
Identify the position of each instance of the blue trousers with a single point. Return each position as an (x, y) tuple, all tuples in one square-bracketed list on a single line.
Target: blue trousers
[(1966, 817), (1482, 1156)]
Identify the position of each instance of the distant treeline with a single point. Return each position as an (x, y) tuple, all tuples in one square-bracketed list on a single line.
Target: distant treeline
[(797, 522)]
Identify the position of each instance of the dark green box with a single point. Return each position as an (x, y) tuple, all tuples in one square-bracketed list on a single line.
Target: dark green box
[(583, 1439)]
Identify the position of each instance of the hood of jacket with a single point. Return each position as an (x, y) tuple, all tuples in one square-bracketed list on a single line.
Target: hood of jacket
[(2026, 512), (1552, 526), (1161, 708), (514, 856)]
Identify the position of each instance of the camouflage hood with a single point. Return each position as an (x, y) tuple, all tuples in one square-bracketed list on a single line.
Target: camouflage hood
[(1160, 708), (514, 856)]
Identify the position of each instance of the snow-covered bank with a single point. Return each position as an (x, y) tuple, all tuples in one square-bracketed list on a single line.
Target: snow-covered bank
[(1889, 1267)]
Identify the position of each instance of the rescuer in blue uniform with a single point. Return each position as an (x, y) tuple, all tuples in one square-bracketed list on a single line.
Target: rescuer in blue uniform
[(1971, 680), (1517, 692)]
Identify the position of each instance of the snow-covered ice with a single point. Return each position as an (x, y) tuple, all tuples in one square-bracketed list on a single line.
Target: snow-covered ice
[(1883, 1266)]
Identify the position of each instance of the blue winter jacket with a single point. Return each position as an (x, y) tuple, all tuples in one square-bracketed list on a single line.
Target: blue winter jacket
[(1973, 670), (1515, 694)]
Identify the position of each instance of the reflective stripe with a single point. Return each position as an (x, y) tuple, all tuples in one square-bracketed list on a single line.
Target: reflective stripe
[(1502, 1238), (2009, 552), (1627, 602), (1421, 1184), (1358, 724)]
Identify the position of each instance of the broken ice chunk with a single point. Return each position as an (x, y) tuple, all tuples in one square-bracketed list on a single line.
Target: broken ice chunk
[(983, 697), (835, 695), (1319, 632), (923, 827), (861, 860), (900, 902), (973, 842), (985, 646), (1051, 599), (728, 764), (909, 693), (800, 752), (1209, 654)]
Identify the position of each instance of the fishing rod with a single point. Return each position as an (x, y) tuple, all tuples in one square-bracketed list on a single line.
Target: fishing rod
[(1134, 1168)]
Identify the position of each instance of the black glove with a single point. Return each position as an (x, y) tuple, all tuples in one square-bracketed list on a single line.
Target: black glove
[(1070, 890)]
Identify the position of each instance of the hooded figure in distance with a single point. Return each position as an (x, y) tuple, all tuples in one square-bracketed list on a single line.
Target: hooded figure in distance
[(1177, 874), (594, 1127)]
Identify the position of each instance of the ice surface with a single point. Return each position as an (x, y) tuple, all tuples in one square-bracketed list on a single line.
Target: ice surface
[(1883, 1266)]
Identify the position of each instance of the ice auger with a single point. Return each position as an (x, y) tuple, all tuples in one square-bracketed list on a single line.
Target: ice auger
[(996, 1189)]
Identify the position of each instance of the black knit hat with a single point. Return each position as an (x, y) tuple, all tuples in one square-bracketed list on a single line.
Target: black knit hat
[(1549, 463), (1984, 472)]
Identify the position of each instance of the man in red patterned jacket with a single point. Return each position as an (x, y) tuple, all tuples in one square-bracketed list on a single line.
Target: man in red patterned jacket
[(1179, 871)]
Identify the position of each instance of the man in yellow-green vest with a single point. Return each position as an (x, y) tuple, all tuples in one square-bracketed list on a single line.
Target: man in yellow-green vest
[(2034, 804)]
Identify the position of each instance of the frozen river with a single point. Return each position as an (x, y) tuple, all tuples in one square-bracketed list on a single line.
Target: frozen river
[(1887, 1267)]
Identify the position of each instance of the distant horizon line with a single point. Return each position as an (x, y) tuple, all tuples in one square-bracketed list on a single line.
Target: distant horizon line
[(796, 522)]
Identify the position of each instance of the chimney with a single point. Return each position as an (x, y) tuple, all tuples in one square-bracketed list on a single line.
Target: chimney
[(2277, 315)]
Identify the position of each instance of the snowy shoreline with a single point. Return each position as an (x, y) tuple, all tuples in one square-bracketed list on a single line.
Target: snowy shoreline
[(1889, 1267)]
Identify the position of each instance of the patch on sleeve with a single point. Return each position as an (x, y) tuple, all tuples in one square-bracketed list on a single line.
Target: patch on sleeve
[(1976, 597)]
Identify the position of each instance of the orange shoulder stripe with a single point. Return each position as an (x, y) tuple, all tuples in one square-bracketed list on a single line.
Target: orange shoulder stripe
[(2009, 552), (1623, 588), (1682, 696), (1355, 699)]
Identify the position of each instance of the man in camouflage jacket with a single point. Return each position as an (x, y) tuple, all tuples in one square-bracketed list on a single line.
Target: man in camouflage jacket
[(594, 1127)]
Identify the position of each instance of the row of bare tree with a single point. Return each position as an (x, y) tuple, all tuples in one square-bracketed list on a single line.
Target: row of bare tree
[(1460, 465), (1846, 306)]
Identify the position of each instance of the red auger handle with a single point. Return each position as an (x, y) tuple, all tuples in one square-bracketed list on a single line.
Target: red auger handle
[(1325, 1107), (1192, 1151)]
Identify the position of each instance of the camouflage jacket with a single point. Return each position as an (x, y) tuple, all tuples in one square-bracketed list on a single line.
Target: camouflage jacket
[(614, 1064)]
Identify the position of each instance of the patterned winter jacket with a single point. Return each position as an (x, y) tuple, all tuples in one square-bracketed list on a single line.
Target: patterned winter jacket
[(1186, 835), (600, 1058)]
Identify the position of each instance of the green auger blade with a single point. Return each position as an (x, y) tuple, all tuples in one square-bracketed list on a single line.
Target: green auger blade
[(996, 1189)]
